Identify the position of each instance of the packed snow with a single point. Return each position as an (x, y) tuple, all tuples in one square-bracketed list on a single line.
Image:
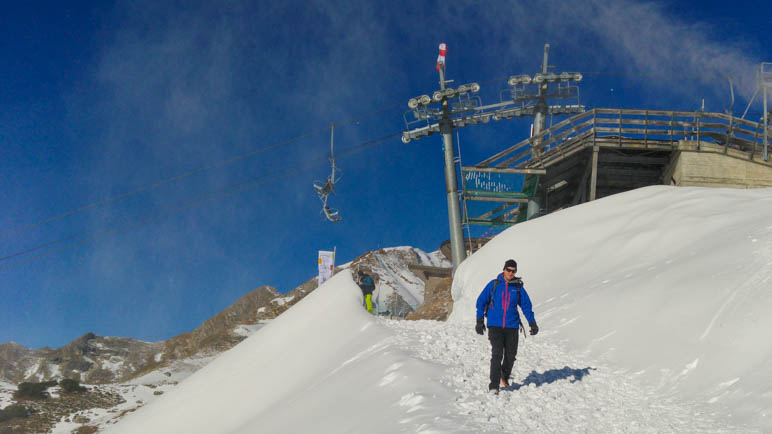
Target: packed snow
[(653, 307), (552, 390), (136, 393), (6, 392), (672, 284), (248, 329), (113, 364), (32, 370), (281, 301)]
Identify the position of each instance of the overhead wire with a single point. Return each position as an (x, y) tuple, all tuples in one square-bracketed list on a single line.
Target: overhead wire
[(225, 190), (159, 183), (637, 75), (194, 201), (199, 170)]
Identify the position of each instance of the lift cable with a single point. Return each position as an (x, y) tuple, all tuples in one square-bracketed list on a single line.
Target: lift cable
[(264, 149), (194, 201), (221, 163)]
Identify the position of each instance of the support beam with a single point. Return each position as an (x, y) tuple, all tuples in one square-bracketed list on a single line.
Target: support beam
[(634, 159), (496, 223), (509, 171), (762, 80), (581, 190), (630, 173), (457, 249), (496, 210), (495, 199), (626, 185), (594, 174)]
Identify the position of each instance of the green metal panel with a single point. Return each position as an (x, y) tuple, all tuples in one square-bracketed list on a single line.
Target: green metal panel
[(530, 185), (496, 194)]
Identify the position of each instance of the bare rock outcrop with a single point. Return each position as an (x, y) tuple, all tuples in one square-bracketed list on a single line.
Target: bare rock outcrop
[(218, 333), (15, 359), (215, 334), (438, 302), (94, 359), (90, 358)]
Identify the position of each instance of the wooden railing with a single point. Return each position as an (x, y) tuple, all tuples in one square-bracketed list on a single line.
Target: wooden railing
[(642, 128)]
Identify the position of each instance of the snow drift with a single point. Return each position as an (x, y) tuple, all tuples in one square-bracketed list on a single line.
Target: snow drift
[(324, 365), (673, 284)]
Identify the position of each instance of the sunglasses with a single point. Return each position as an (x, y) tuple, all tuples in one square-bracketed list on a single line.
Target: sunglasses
[(511, 270)]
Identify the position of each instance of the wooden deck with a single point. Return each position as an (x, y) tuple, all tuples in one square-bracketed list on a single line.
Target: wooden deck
[(606, 151)]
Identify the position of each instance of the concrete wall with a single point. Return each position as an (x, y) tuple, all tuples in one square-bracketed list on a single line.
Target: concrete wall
[(708, 169)]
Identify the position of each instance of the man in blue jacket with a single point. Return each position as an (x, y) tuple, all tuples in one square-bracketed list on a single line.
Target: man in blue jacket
[(499, 301)]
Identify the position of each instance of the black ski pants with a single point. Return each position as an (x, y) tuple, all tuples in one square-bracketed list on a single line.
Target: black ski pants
[(503, 353)]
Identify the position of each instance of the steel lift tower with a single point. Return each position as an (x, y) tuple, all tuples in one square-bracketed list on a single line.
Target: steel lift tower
[(450, 108)]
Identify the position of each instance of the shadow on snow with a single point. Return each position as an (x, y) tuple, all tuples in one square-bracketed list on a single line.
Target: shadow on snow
[(553, 375)]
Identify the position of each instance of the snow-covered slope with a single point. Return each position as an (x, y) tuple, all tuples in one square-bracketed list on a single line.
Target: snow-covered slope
[(322, 366), (673, 284), (653, 306), (134, 394)]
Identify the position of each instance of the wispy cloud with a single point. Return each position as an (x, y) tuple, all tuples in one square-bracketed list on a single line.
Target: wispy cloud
[(636, 38), (643, 38)]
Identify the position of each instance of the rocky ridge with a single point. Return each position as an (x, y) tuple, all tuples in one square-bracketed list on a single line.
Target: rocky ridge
[(123, 374), (44, 413), (90, 358), (94, 359), (438, 301)]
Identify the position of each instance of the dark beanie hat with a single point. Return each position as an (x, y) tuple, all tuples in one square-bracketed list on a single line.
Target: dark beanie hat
[(510, 263)]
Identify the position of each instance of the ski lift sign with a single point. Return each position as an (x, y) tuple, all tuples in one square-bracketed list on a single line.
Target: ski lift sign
[(326, 264)]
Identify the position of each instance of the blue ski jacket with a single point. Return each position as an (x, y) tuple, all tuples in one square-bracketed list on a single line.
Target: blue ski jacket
[(505, 298)]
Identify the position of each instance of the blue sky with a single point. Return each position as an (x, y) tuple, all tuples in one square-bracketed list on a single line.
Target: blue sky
[(99, 99)]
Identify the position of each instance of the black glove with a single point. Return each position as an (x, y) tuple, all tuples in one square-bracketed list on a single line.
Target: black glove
[(480, 327), (534, 327)]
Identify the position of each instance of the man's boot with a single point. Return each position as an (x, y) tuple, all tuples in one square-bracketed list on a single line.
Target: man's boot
[(504, 380)]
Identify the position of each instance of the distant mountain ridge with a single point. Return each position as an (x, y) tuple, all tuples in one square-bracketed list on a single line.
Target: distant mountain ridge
[(94, 359)]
